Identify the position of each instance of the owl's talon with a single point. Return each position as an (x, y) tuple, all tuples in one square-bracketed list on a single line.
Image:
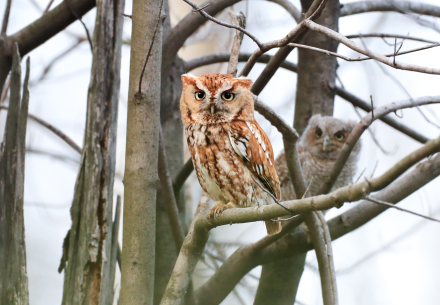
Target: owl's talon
[(218, 208)]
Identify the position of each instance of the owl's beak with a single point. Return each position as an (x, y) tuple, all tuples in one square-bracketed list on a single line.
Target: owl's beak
[(326, 144), (212, 109)]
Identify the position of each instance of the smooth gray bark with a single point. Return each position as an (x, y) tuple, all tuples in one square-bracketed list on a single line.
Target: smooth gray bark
[(87, 247), (141, 160), (13, 275)]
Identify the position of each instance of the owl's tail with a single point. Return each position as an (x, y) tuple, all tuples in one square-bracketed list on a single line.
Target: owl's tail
[(272, 227)]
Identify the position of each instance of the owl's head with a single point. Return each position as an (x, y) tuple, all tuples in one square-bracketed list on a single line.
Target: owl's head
[(324, 136), (215, 98)]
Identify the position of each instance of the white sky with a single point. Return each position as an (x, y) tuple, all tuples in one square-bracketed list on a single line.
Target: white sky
[(405, 272)]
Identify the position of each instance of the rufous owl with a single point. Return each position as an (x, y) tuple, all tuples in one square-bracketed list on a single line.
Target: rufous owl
[(318, 148), (232, 156)]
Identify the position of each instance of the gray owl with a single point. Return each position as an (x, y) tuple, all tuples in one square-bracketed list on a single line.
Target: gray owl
[(318, 149)]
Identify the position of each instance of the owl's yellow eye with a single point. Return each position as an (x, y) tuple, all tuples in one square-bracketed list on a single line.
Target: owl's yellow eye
[(200, 95), (339, 136), (318, 132), (228, 96)]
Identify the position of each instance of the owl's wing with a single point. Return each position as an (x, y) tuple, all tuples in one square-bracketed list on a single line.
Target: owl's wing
[(251, 143)]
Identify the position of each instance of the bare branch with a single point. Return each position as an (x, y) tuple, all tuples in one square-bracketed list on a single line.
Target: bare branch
[(48, 6), (301, 46), (325, 261), (384, 6), (168, 193), (231, 26), (190, 253), (55, 130), (223, 57), (296, 34), (381, 35), (6, 18), (381, 58), (183, 174), (77, 16), (390, 205), (362, 126), (239, 20)]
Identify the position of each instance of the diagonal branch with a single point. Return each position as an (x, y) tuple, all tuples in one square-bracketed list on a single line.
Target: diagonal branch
[(52, 128), (189, 255), (360, 7), (362, 126), (381, 58)]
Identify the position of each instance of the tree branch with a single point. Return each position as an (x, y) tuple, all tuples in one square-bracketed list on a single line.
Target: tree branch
[(383, 36), (189, 255), (381, 58), (386, 6), (169, 198), (223, 57), (55, 130), (362, 126)]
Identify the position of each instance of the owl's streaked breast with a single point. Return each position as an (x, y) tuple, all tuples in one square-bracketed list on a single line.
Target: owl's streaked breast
[(221, 172)]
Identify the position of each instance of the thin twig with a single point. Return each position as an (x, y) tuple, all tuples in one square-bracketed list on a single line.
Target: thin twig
[(149, 50), (394, 54), (48, 6), (224, 57), (381, 58), (380, 35), (380, 202), (89, 38), (361, 127), (202, 12), (55, 130)]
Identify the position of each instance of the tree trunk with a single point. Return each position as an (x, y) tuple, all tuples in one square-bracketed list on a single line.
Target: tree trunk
[(87, 247), (13, 276), (171, 88), (314, 95), (141, 161), (316, 71)]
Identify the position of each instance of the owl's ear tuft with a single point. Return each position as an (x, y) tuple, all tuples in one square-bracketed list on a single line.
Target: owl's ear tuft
[(315, 119), (188, 79), (244, 81)]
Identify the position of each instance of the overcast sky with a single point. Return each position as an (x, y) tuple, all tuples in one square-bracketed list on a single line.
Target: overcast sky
[(405, 268)]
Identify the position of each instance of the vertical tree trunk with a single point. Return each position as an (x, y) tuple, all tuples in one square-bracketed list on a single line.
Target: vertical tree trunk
[(87, 247), (13, 276), (171, 88), (315, 72), (143, 119)]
